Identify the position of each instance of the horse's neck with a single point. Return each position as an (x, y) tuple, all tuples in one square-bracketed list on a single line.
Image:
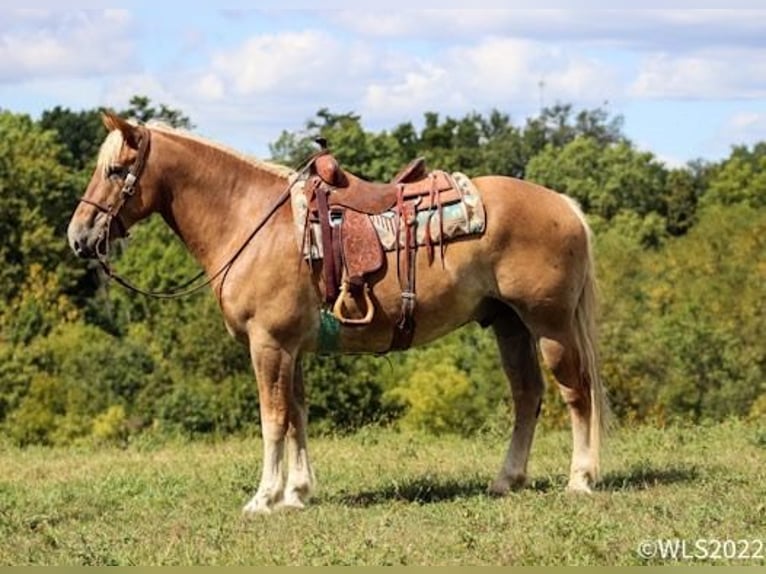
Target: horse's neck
[(214, 200)]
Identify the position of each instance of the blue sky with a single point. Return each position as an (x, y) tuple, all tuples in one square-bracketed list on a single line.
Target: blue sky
[(689, 83)]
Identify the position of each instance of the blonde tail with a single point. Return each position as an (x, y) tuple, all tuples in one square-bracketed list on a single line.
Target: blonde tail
[(587, 338)]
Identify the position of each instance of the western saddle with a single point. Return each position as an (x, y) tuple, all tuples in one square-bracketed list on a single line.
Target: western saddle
[(342, 204)]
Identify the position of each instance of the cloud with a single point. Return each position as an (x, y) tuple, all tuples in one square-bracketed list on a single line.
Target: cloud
[(496, 72), (37, 44), (303, 62), (428, 87), (744, 128), (248, 74), (703, 75), (650, 29), (118, 91), (282, 79)]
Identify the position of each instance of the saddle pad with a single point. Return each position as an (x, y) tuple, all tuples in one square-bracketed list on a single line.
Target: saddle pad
[(465, 217)]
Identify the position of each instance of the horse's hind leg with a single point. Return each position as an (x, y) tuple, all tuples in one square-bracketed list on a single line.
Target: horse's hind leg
[(518, 353), (560, 354)]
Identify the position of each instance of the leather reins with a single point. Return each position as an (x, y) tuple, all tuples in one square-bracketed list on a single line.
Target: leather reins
[(113, 214)]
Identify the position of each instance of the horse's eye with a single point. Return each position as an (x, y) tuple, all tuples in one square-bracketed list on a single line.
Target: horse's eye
[(116, 172)]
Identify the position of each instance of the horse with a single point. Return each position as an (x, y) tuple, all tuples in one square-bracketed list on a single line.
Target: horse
[(530, 276)]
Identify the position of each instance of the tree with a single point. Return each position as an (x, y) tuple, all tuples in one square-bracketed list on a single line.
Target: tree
[(370, 156), (739, 179), (81, 133), (556, 126), (605, 180), (504, 151), (682, 192), (35, 190)]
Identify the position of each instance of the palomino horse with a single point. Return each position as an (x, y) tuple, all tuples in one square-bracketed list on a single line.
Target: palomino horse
[(530, 276)]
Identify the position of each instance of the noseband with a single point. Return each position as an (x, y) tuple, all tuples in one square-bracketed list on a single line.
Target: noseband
[(128, 190)]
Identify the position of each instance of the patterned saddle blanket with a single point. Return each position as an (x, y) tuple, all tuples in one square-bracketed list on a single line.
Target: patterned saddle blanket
[(459, 215)]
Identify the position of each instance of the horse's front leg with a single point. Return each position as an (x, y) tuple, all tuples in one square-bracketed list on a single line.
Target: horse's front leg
[(274, 367), (300, 478)]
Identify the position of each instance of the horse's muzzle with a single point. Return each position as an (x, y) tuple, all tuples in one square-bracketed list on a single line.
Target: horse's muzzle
[(86, 241)]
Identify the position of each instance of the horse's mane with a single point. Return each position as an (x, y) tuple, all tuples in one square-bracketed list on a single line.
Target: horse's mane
[(114, 141)]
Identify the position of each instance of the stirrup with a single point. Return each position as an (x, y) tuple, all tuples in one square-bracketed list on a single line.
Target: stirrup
[(337, 309)]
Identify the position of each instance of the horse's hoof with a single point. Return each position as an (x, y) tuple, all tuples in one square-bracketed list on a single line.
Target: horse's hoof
[(503, 485), (579, 486), (258, 505), (291, 504)]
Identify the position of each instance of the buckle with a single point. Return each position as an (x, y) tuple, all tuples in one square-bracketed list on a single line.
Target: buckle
[(128, 188)]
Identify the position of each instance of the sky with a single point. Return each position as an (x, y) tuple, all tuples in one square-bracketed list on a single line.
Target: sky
[(690, 83)]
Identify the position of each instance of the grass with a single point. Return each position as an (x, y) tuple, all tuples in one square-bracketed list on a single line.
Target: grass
[(385, 498)]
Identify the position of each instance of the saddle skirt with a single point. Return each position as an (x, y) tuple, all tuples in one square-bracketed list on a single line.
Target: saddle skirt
[(464, 215)]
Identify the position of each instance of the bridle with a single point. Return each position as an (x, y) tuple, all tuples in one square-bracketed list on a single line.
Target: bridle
[(128, 190)]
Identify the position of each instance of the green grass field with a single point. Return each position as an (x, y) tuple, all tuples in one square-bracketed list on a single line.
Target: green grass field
[(387, 498)]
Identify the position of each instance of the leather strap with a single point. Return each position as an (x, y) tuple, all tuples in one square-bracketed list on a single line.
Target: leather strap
[(328, 249), (404, 330)]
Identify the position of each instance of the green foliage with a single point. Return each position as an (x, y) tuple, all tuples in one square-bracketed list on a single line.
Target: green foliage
[(80, 133), (679, 254), (372, 156), (472, 144), (455, 385), (438, 399), (111, 426), (199, 406), (740, 179), (682, 328), (346, 393), (69, 377), (605, 180), (35, 189), (37, 308), (681, 195)]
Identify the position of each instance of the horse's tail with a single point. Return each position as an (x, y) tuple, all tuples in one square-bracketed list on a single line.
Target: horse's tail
[(586, 334)]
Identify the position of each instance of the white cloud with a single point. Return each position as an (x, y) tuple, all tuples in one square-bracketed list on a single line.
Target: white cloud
[(707, 74), (118, 91), (38, 44), (210, 87), (744, 128), (275, 70), (497, 72), (292, 61), (438, 23), (427, 88), (644, 28)]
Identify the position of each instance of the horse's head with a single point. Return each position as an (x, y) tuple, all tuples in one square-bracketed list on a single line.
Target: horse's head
[(118, 194)]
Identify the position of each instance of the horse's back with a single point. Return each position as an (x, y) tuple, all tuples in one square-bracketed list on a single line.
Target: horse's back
[(526, 208)]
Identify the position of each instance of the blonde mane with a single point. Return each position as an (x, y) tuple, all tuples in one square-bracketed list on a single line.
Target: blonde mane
[(110, 149)]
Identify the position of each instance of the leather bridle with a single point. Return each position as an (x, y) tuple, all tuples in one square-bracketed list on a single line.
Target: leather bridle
[(112, 212), (128, 190)]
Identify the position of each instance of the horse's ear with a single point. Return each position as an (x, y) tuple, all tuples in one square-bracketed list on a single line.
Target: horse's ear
[(114, 122)]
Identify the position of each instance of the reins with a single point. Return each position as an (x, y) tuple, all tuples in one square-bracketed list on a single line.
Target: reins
[(128, 190), (185, 288)]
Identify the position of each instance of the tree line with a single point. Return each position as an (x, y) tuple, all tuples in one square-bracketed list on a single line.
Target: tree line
[(680, 256)]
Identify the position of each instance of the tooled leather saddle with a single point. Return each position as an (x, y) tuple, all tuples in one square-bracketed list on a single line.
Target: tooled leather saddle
[(342, 204)]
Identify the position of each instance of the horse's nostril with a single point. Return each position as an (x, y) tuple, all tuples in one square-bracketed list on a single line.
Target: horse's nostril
[(80, 248)]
